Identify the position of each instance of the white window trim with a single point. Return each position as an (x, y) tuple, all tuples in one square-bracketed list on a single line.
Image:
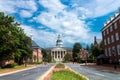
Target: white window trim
[(109, 51), (115, 25), (104, 33), (113, 49), (106, 52), (112, 38), (105, 41), (118, 49), (111, 28), (117, 36), (107, 31)]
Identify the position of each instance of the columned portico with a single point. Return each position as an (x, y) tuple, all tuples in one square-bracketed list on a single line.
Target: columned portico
[(58, 53)]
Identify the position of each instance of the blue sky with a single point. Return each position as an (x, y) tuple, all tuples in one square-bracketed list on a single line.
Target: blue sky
[(75, 20)]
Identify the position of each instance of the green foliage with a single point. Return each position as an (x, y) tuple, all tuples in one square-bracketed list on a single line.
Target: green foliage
[(79, 60), (48, 58), (66, 75), (44, 53), (76, 50), (97, 51), (37, 63), (68, 57), (10, 65), (91, 56), (88, 48), (60, 65), (14, 42)]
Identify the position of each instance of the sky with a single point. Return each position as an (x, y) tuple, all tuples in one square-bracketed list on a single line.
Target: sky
[(75, 20)]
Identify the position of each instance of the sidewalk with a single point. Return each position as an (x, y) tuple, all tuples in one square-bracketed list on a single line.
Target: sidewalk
[(10, 71), (109, 68)]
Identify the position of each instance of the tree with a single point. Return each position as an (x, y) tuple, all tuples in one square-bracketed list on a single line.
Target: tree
[(76, 49), (88, 48), (44, 53), (68, 57), (48, 58), (15, 44), (97, 51)]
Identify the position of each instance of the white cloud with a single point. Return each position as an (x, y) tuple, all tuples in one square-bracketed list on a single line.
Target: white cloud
[(96, 8), (10, 6), (25, 13), (42, 38), (64, 22), (52, 5), (5, 7), (58, 18)]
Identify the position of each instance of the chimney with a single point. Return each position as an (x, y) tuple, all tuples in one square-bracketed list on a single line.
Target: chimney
[(95, 41), (94, 38)]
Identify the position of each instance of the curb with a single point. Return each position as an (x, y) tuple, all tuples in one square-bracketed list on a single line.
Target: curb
[(3, 74), (77, 73), (46, 73)]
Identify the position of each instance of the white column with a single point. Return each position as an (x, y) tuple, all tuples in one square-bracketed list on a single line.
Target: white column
[(57, 54), (60, 54), (54, 55)]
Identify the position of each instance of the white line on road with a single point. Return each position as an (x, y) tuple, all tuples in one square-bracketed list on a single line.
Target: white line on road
[(99, 74), (25, 74)]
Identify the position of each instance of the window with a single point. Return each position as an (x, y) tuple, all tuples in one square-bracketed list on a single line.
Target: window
[(111, 28), (118, 49), (112, 38), (105, 41), (117, 36), (106, 52), (108, 40), (109, 52), (107, 31), (115, 25), (104, 33), (113, 51)]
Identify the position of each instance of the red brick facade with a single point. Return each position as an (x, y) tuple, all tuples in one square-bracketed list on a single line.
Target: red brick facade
[(111, 38), (83, 54)]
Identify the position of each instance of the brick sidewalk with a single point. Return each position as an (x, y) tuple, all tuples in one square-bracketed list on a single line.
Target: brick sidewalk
[(104, 67)]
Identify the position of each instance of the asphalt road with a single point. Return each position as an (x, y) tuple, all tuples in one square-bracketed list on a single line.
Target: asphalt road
[(94, 74), (31, 74)]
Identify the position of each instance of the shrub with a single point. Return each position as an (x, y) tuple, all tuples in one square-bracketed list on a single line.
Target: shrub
[(10, 65), (60, 65), (37, 63)]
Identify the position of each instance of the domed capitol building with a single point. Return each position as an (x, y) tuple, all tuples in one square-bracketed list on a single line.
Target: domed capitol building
[(59, 51)]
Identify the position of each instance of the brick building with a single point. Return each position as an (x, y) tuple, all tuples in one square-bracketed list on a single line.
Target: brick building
[(111, 38), (36, 53), (83, 54)]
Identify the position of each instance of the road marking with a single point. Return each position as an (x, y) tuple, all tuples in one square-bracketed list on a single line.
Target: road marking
[(99, 74), (25, 74)]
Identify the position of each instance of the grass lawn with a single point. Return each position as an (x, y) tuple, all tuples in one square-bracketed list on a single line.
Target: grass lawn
[(12, 69), (65, 75)]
